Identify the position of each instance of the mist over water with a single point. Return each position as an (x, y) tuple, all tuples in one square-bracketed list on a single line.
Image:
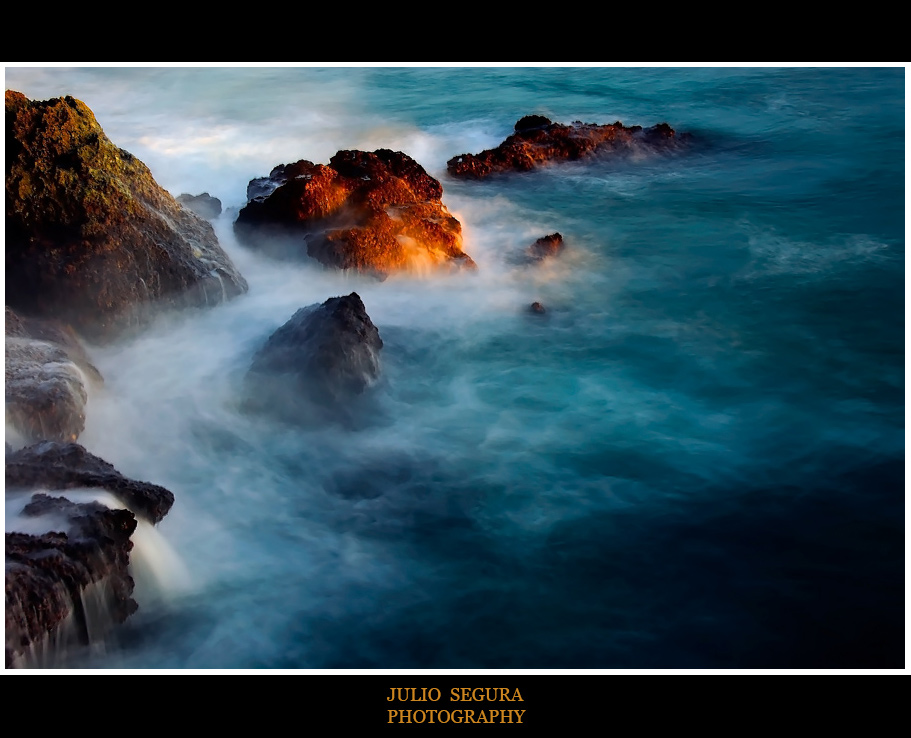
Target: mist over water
[(693, 459)]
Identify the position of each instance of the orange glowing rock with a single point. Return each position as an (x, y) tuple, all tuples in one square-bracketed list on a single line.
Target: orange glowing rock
[(376, 212), (537, 141)]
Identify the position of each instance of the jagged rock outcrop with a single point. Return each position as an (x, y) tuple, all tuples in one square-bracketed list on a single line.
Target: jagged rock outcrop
[(376, 212), (53, 580), (90, 236), (47, 375), (537, 141), (65, 584), (545, 246), (51, 465), (204, 205), (316, 365)]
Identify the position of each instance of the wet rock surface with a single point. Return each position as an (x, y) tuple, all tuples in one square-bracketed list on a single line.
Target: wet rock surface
[(54, 465), (318, 363), (45, 392), (538, 141), (49, 577), (47, 374), (71, 583), (55, 332), (376, 212), (90, 234)]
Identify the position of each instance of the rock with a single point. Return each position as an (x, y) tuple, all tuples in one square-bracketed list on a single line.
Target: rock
[(47, 374), (54, 465), (72, 582), (262, 187), (45, 391), (54, 581), (315, 365), (376, 212), (89, 232), (537, 307), (530, 122), (52, 331), (14, 325), (204, 205), (546, 246), (537, 140)]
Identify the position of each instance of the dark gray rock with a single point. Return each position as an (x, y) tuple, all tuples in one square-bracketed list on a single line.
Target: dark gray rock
[(261, 187), (204, 205), (52, 331), (52, 465), (72, 583), (45, 391), (317, 364), (48, 576), (47, 374)]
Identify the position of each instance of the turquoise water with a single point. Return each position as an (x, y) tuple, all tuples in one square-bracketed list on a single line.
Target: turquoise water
[(694, 459)]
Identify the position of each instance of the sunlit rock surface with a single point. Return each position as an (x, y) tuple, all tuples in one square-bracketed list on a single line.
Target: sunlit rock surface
[(90, 237), (537, 141), (318, 363), (377, 212)]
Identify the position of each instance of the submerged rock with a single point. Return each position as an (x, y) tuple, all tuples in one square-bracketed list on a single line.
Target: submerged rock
[(47, 374), (90, 234), (204, 205), (538, 308), (53, 465), (318, 363), (376, 212), (537, 140), (69, 583)]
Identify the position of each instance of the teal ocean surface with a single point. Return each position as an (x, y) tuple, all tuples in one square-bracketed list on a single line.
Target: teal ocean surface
[(694, 459)]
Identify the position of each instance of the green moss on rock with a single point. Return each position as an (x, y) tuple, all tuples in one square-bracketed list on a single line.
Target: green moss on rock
[(90, 235)]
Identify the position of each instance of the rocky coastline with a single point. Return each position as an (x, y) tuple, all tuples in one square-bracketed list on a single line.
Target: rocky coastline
[(96, 249)]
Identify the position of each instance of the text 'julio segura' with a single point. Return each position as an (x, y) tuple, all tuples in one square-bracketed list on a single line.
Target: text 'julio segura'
[(456, 694)]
